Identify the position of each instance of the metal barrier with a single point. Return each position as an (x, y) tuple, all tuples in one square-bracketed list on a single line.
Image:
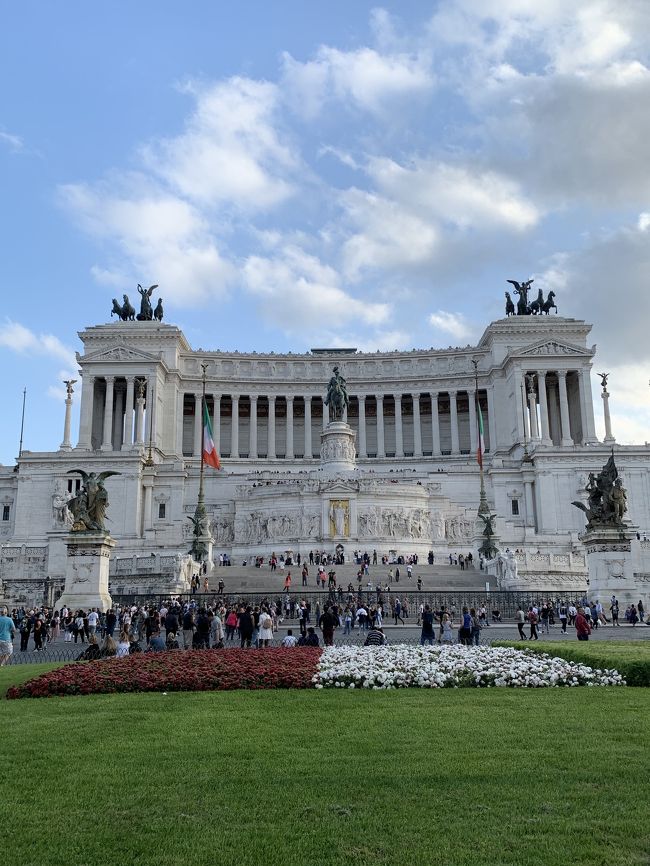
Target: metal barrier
[(504, 602)]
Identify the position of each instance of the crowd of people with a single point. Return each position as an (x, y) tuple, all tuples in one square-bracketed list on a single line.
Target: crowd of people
[(221, 622)]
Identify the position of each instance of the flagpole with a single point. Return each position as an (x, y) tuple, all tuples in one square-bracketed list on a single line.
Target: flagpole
[(22, 425), (200, 508), (483, 507)]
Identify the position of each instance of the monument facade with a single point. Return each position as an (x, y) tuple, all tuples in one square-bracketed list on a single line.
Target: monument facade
[(382, 458)]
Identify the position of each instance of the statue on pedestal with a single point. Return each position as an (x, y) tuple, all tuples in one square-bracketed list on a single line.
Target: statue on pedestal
[(607, 498), (337, 396), (89, 505)]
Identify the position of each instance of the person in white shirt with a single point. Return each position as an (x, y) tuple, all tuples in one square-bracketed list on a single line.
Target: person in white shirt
[(289, 640), (123, 645), (93, 619)]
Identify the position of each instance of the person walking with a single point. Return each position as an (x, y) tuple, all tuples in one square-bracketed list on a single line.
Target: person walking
[(563, 614), (520, 619), (7, 635), (583, 629), (428, 635), (532, 621)]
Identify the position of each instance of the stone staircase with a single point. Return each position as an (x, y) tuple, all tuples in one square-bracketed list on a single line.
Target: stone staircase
[(238, 578)]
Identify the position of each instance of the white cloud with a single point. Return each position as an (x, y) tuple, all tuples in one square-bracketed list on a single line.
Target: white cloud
[(22, 340), (13, 142), (164, 238), (300, 294), (364, 78), (231, 151), (387, 235), (456, 194), (454, 324)]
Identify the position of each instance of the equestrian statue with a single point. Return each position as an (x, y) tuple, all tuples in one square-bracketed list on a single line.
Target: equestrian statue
[(337, 396)]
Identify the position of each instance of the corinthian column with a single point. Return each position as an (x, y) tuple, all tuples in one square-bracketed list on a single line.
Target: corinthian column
[(608, 421), (381, 448), (362, 426), (399, 435), (308, 445), (252, 446), (107, 442), (289, 439), (453, 409)]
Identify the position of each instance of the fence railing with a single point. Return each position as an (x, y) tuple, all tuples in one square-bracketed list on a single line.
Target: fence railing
[(506, 603)]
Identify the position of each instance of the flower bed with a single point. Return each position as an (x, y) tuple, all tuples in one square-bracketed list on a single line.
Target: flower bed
[(401, 666), (387, 667), (201, 670)]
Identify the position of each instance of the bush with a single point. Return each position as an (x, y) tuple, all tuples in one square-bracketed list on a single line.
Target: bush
[(631, 659)]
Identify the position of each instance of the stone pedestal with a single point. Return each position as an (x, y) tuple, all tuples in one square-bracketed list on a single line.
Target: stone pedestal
[(338, 451), (610, 564), (87, 564)]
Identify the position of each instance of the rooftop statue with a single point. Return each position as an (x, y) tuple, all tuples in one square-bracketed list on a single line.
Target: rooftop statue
[(524, 308), (607, 498), (89, 506), (126, 311), (337, 396)]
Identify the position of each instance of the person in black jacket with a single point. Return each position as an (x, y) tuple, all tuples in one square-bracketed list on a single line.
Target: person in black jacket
[(246, 625)]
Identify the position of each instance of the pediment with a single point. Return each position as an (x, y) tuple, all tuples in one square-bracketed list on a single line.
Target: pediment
[(119, 353), (552, 348), (339, 485)]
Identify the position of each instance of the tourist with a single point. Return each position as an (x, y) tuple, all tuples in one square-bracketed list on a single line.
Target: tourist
[(7, 634), (544, 616), (428, 634), (156, 644), (202, 633), (188, 628), (327, 624), (93, 620), (171, 622), (109, 647), (634, 617), (446, 635), (265, 628), (123, 645), (55, 626), (287, 582), (532, 621), (520, 619), (465, 630), (171, 642), (246, 625), (563, 615), (92, 651), (640, 610), (38, 634), (397, 611), (221, 585), (231, 624), (289, 640), (375, 637), (475, 637), (311, 639), (583, 628), (614, 612), (79, 627)]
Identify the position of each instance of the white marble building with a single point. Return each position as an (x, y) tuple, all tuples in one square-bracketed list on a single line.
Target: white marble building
[(416, 482)]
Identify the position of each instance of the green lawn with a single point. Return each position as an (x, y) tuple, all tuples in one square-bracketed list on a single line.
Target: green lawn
[(630, 658), (411, 777)]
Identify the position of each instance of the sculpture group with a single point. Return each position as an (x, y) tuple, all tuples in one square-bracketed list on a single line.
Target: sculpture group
[(88, 506), (126, 311), (607, 498), (523, 307)]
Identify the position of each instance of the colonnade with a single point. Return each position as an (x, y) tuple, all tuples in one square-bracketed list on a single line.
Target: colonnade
[(252, 426), (557, 406), (122, 418)]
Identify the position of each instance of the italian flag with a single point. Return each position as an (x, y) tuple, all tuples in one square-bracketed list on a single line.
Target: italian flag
[(481, 440), (210, 455)]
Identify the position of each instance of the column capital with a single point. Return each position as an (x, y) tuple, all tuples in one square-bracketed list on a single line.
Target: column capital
[(289, 398), (253, 398), (108, 379)]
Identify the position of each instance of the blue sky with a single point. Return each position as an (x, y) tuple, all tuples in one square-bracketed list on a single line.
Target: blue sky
[(323, 173)]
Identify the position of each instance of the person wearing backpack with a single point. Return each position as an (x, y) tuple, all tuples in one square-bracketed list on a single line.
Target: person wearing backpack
[(266, 628)]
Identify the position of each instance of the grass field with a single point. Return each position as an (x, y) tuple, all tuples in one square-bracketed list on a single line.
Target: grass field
[(407, 777)]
